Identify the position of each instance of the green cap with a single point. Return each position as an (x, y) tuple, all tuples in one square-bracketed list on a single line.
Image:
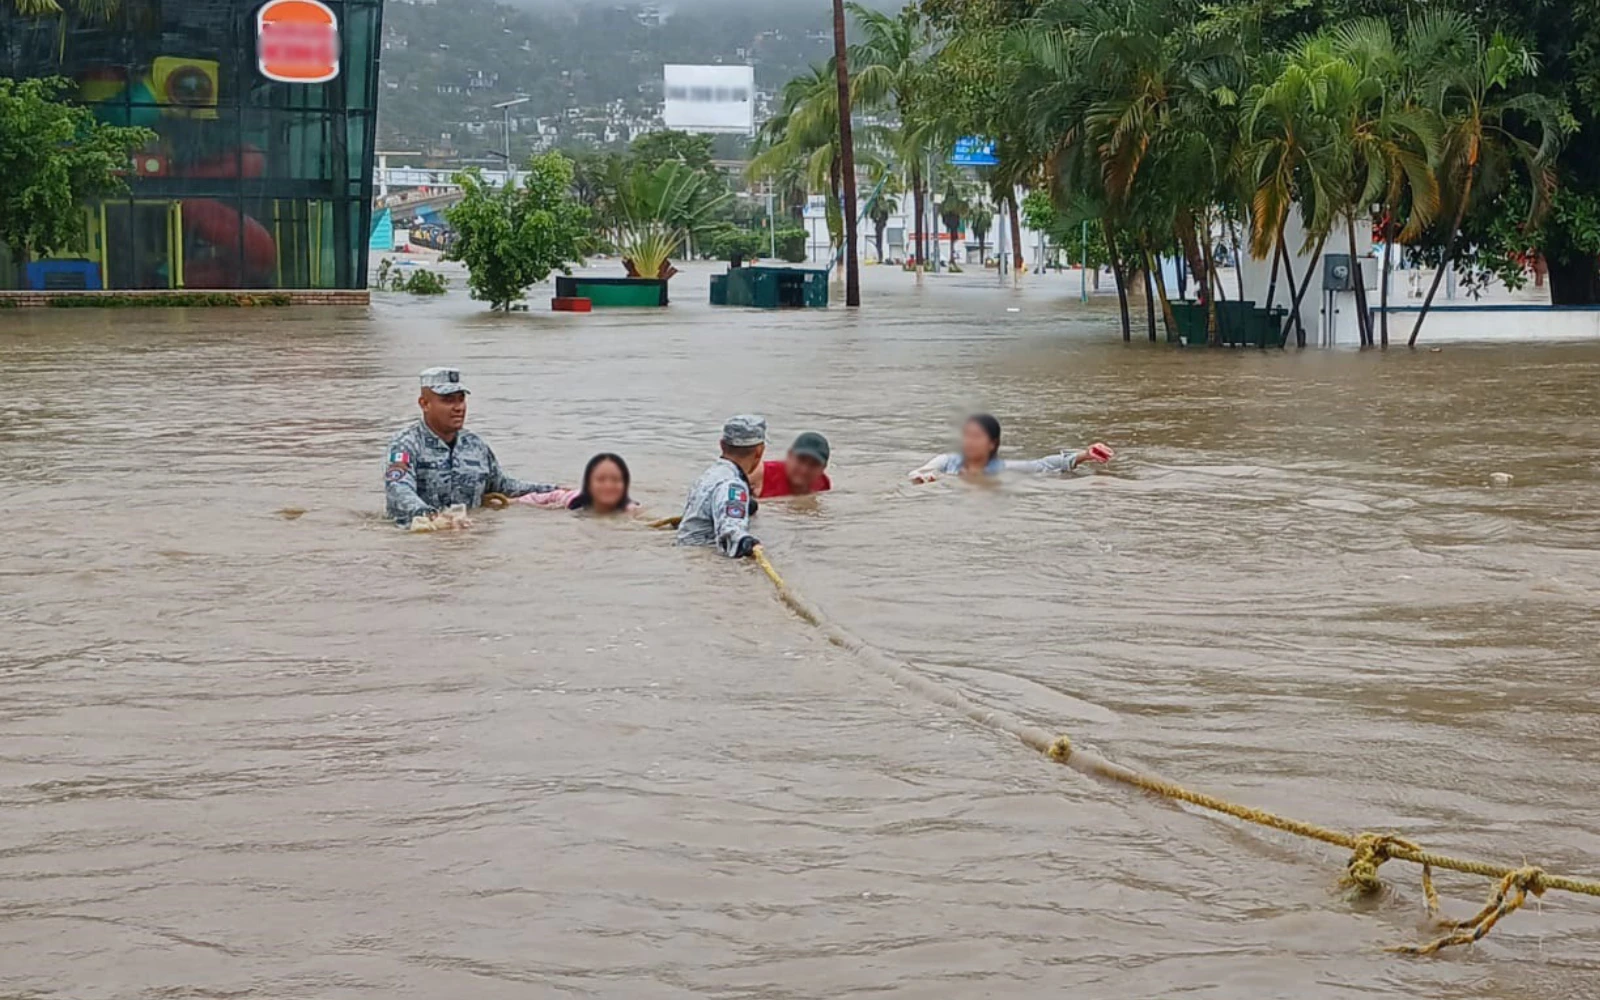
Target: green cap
[(812, 445)]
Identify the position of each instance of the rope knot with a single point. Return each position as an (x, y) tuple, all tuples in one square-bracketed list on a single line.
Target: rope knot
[(1371, 851), (1061, 750), (496, 501), (1529, 879)]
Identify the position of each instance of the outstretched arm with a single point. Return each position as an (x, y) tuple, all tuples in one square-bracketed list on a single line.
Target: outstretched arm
[(1064, 462), (499, 482), (931, 469)]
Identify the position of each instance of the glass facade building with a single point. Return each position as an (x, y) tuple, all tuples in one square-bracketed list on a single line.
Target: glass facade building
[(252, 182)]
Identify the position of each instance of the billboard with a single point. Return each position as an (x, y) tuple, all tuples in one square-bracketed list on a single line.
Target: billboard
[(710, 98), (297, 41), (974, 151)]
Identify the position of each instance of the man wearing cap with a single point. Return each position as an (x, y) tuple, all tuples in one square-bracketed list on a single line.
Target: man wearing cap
[(720, 502), (803, 471), (435, 463)]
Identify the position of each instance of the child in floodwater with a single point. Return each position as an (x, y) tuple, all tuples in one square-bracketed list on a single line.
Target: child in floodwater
[(605, 489), (980, 451)]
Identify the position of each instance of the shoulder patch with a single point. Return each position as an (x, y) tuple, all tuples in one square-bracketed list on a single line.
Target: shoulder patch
[(399, 456), (395, 473)]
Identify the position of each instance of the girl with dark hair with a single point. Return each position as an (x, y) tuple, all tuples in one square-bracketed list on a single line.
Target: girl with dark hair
[(980, 455), (605, 489)]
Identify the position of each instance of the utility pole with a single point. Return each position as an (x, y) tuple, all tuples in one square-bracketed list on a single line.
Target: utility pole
[(506, 106), (847, 153)]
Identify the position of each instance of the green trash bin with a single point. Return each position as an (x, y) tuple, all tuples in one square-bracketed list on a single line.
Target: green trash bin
[(719, 289), (1268, 326), (1191, 322), (1237, 326)]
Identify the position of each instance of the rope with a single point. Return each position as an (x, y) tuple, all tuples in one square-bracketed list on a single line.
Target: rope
[(1368, 850), (667, 522), (496, 501)]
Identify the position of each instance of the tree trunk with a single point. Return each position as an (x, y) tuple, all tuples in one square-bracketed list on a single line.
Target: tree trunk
[(1149, 298), (1449, 255), (1294, 319), (1185, 229), (1117, 274), (1168, 320), (878, 237), (1310, 276), (1363, 315), (981, 249), (1383, 281), (1278, 256), (847, 149), (919, 248), (1016, 233), (1238, 261)]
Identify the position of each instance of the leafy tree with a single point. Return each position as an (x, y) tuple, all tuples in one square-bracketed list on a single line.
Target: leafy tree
[(981, 219), (891, 73), (655, 148), (54, 157), (726, 241), (512, 238), (661, 210), (1471, 85)]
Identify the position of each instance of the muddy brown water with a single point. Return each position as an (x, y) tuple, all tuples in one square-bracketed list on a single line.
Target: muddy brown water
[(253, 757)]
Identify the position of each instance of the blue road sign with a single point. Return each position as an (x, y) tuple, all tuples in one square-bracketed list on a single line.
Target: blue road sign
[(973, 151)]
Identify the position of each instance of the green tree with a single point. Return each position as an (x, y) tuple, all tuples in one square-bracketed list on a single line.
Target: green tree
[(54, 157), (981, 218), (655, 148), (513, 237), (1472, 86), (891, 73)]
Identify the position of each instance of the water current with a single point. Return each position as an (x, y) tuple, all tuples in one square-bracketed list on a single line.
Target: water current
[(249, 754)]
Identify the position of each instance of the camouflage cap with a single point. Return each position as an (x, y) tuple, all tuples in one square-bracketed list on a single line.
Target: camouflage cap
[(744, 431), (443, 381)]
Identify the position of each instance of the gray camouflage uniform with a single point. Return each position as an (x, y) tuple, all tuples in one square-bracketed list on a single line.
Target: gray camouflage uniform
[(720, 505), (425, 474)]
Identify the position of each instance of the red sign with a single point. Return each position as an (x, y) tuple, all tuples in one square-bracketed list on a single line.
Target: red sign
[(297, 41)]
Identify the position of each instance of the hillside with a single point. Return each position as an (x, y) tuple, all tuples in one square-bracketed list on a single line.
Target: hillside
[(593, 70)]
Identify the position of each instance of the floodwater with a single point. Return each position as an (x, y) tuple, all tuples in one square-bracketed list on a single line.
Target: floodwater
[(247, 755)]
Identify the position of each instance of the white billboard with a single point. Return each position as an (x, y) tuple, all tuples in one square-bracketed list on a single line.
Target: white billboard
[(710, 98)]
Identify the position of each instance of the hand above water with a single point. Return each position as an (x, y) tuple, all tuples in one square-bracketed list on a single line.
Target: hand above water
[(1097, 452)]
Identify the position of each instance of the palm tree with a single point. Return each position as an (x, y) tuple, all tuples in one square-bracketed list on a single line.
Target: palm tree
[(847, 158), (883, 203), (1469, 83), (101, 9), (890, 63), (802, 139), (981, 217)]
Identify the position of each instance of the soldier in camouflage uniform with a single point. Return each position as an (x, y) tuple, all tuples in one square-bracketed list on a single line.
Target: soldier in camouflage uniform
[(435, 463), (720, 502)]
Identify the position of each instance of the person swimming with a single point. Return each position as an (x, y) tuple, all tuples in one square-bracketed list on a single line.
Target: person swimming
[(606, 481), (980, 455)]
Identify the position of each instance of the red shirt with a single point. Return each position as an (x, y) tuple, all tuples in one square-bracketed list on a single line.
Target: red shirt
[(775, 481)]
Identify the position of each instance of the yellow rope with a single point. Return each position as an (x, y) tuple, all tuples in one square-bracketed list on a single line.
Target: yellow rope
[(1368, 850), (496, 501), (667, 522)]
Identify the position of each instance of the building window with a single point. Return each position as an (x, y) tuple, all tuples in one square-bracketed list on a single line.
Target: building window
[(251, 183)]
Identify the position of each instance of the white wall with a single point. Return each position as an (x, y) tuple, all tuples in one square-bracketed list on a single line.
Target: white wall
[(1503, 323), (1258, 273)]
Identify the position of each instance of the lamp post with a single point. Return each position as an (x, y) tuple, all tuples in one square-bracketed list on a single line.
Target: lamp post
[(506, 106), (938, 200)]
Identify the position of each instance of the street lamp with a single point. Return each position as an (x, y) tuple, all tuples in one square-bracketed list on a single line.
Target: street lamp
[(938, 200), (506, 106)]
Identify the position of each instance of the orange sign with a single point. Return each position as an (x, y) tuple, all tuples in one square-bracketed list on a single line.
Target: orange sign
[(297, 41)]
